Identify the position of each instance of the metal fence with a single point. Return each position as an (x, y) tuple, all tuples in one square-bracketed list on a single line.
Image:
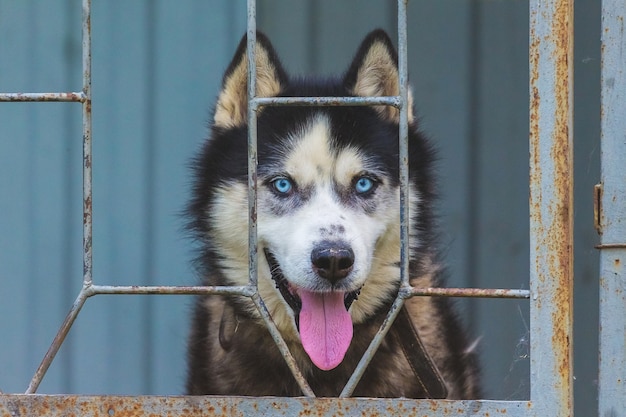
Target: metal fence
[(551, 222)]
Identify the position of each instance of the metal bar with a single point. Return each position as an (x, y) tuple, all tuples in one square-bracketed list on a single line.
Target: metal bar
[(612, 213), (611, 246), (64, 97), (247, 291), (467, 292), (403, 133), (252, 204), (328, 101), (372, 348), (252, 146), (282, 346), (244, 291), (551, 206), (403, 156), (85, 98), (145, 406), (87, 159), (57, 342)]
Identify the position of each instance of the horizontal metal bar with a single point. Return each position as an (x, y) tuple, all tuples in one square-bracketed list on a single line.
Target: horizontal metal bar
[(144, 406), (78, 97), (243, 290), (394, 101), (467, 292), (611, 246), (249, 291)]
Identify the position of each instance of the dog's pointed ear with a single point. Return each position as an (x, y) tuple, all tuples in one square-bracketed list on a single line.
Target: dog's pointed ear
[(374, 73), (231, 109)]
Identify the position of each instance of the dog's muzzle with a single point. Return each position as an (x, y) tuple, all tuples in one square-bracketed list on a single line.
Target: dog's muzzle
[(322, 318), (332, 265)]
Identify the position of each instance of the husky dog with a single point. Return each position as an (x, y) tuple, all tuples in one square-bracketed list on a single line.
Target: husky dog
[(328, 241)]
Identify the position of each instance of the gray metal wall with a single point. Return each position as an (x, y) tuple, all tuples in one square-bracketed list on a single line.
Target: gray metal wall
[(157, 67)]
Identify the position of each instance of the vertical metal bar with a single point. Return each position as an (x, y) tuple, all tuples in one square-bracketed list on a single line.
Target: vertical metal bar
[(403, 155), (252, 146), (87, 174), (87, 206), (404, 140), (612, 213), (252, 203), (551, 206)]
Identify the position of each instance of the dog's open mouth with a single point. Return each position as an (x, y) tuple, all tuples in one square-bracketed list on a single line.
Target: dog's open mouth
[(322, 318)]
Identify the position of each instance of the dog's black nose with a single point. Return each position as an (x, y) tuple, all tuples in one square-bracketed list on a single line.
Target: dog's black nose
[(332, 260)]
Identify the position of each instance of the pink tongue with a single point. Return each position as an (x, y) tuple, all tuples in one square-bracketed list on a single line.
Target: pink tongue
[(325, 328)]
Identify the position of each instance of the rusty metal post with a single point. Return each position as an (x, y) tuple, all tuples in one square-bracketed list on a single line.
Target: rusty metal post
[(611, 213), (551, 206)]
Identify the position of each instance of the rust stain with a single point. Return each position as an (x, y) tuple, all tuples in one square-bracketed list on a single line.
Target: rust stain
[(560, 233), (553, 219), (87, 210), (535, 195), (535, 101), (21, 405)]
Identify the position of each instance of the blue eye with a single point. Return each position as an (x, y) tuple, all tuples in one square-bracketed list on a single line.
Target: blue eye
[(282, 185), (364, 185)]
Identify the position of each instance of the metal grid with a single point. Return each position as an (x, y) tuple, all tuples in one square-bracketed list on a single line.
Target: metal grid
[(550, 294)]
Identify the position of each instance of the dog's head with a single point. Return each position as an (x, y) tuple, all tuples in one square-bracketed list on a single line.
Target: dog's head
[(328, 195)]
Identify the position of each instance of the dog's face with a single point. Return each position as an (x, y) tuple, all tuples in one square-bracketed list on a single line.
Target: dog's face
[(328, 197)]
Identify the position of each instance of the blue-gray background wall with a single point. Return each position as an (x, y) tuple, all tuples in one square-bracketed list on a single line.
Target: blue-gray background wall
[(157, 66)]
